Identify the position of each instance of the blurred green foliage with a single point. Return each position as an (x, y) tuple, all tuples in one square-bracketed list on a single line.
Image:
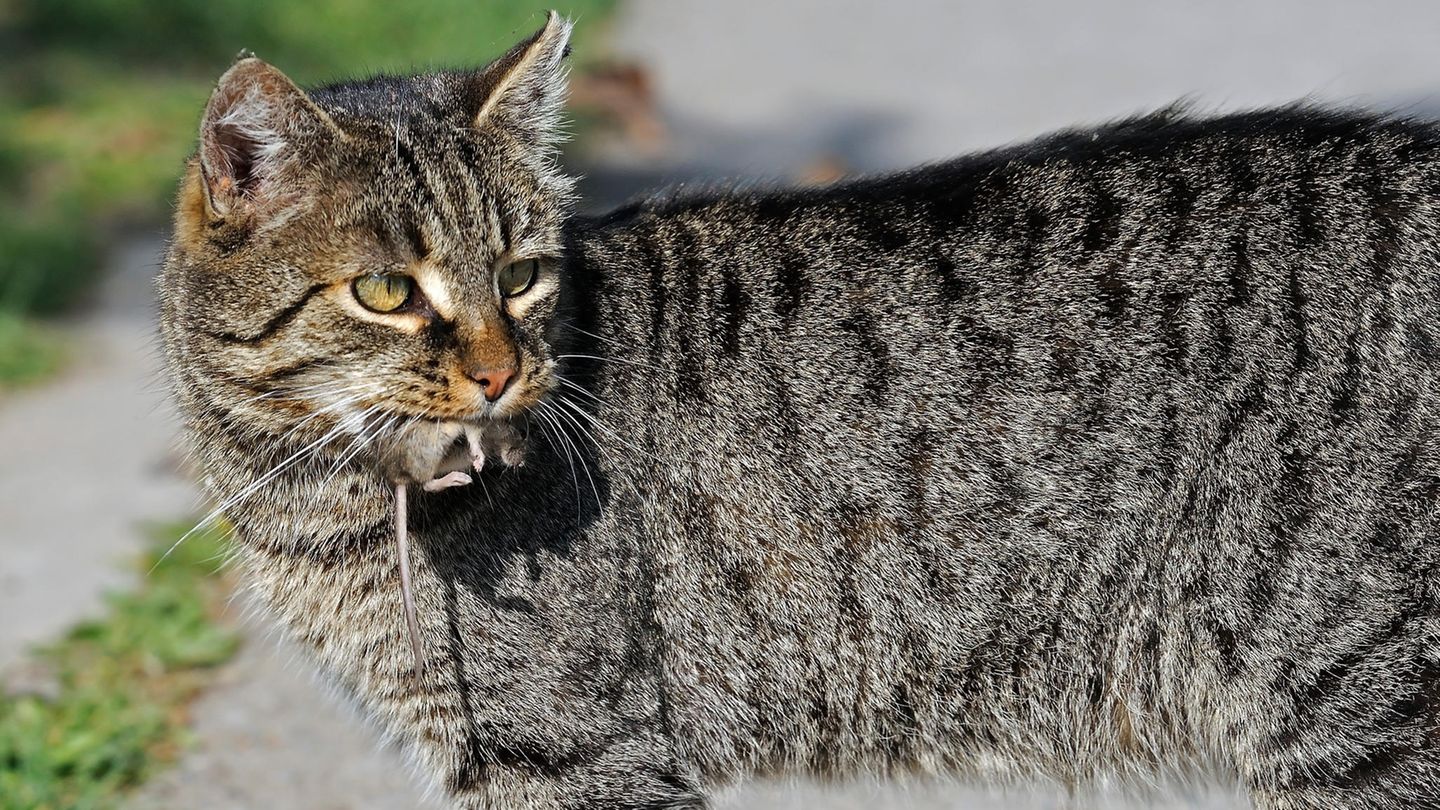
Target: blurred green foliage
[(99, 100), (28, 351), (119, 686)]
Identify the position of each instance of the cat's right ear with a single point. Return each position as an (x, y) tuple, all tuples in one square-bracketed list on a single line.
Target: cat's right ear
[(257, 124), (523, 91)]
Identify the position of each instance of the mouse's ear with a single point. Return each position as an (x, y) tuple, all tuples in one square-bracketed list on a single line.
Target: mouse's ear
[(256, 124), (523, 91)]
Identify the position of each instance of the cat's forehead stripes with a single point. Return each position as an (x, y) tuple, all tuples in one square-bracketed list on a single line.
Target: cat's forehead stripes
[(450, 207)]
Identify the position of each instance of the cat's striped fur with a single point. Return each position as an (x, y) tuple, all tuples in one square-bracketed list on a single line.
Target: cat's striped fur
[(1112, 454)]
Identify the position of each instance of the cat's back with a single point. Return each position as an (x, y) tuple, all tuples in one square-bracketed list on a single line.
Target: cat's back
[(1278, 254), (1031, 402), (1294, 176)]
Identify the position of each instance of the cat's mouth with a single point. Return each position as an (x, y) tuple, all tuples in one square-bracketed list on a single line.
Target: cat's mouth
[(440, 453), (458, 405)]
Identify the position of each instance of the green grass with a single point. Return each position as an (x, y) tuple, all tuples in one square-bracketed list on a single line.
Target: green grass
[(100, 100), (123, 685), (28, 352)]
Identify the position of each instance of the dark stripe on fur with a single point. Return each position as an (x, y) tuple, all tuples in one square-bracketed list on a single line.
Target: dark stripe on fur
[(274, 324)]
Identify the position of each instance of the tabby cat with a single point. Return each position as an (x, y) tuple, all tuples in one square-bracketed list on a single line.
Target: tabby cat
[(1111, 455)]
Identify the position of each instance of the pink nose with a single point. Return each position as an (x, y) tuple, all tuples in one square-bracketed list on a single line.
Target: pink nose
[(492, 380)]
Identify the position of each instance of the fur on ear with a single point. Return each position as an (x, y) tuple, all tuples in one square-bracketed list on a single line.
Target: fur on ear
[(524, 90), (256, 121)]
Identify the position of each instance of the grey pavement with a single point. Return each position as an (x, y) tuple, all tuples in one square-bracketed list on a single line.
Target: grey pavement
[(759, 88), (748, 89), (86, 463), (272, 735)]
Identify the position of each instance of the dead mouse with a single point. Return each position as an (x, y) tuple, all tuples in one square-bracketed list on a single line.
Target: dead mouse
[(436, 456)]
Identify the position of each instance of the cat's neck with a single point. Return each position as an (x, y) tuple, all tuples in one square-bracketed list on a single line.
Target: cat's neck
[(326, 506)]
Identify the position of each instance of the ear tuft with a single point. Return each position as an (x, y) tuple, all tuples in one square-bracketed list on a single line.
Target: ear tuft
[(255, 122), (524, 90)]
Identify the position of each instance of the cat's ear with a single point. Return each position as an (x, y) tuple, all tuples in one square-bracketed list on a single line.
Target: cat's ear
[(256, 124), (523, 91)]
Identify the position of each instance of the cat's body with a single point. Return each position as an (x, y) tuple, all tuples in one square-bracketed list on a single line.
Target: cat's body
[(1118, 453)]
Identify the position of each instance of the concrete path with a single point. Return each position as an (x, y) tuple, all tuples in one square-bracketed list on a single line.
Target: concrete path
[(271, 736), (760, 88), (85, 464)]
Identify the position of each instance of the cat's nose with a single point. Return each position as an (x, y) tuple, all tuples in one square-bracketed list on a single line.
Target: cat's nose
[(492, 380)]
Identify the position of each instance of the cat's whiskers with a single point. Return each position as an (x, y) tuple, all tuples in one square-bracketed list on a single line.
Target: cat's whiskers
[(572, 326), (317, 390), (358, 444), (353, 394), (287, 392), (561, 399), (580, 388), (608, 360), (559, 413), (555, 433), (250, 384), (579, 426), (600, 448), (252, 488), (594, 420), (562, 444), (601, 426)]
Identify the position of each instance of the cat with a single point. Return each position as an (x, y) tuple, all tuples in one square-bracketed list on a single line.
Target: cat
[(1110, 455)]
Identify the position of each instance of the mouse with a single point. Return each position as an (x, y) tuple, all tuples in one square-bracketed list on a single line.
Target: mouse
[(437, 456)]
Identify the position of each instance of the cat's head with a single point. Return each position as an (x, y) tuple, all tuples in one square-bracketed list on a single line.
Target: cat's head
[(380, 250)]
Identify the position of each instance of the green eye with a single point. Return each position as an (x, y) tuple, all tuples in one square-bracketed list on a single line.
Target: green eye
[(382, 293), (516, 277)]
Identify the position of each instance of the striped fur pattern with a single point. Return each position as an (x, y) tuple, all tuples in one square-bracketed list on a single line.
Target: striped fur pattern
[(1112, 455)]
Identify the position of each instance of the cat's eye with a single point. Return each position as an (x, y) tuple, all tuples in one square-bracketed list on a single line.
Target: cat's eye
[(385, 292), (517, 277)]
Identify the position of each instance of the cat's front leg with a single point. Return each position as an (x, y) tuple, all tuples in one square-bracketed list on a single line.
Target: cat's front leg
[(626, 777)]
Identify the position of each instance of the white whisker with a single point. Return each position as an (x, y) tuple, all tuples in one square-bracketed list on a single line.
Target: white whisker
[(598, 503), (608, 360), (601, 426), (580, 388), (275, 471), (555, 423), (569, 325)]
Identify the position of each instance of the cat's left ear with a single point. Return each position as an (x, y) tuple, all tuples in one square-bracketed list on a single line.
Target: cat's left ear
[(257, 126), (523, 91)]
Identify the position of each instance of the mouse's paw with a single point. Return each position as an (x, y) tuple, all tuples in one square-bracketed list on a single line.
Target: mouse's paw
[(496, 440), (513, 455), (454, 479)]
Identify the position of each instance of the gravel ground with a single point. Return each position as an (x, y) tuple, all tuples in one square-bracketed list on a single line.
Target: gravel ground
[(747, 88)]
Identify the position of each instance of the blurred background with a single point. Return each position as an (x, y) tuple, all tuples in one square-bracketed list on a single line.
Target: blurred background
[(126, 682)]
